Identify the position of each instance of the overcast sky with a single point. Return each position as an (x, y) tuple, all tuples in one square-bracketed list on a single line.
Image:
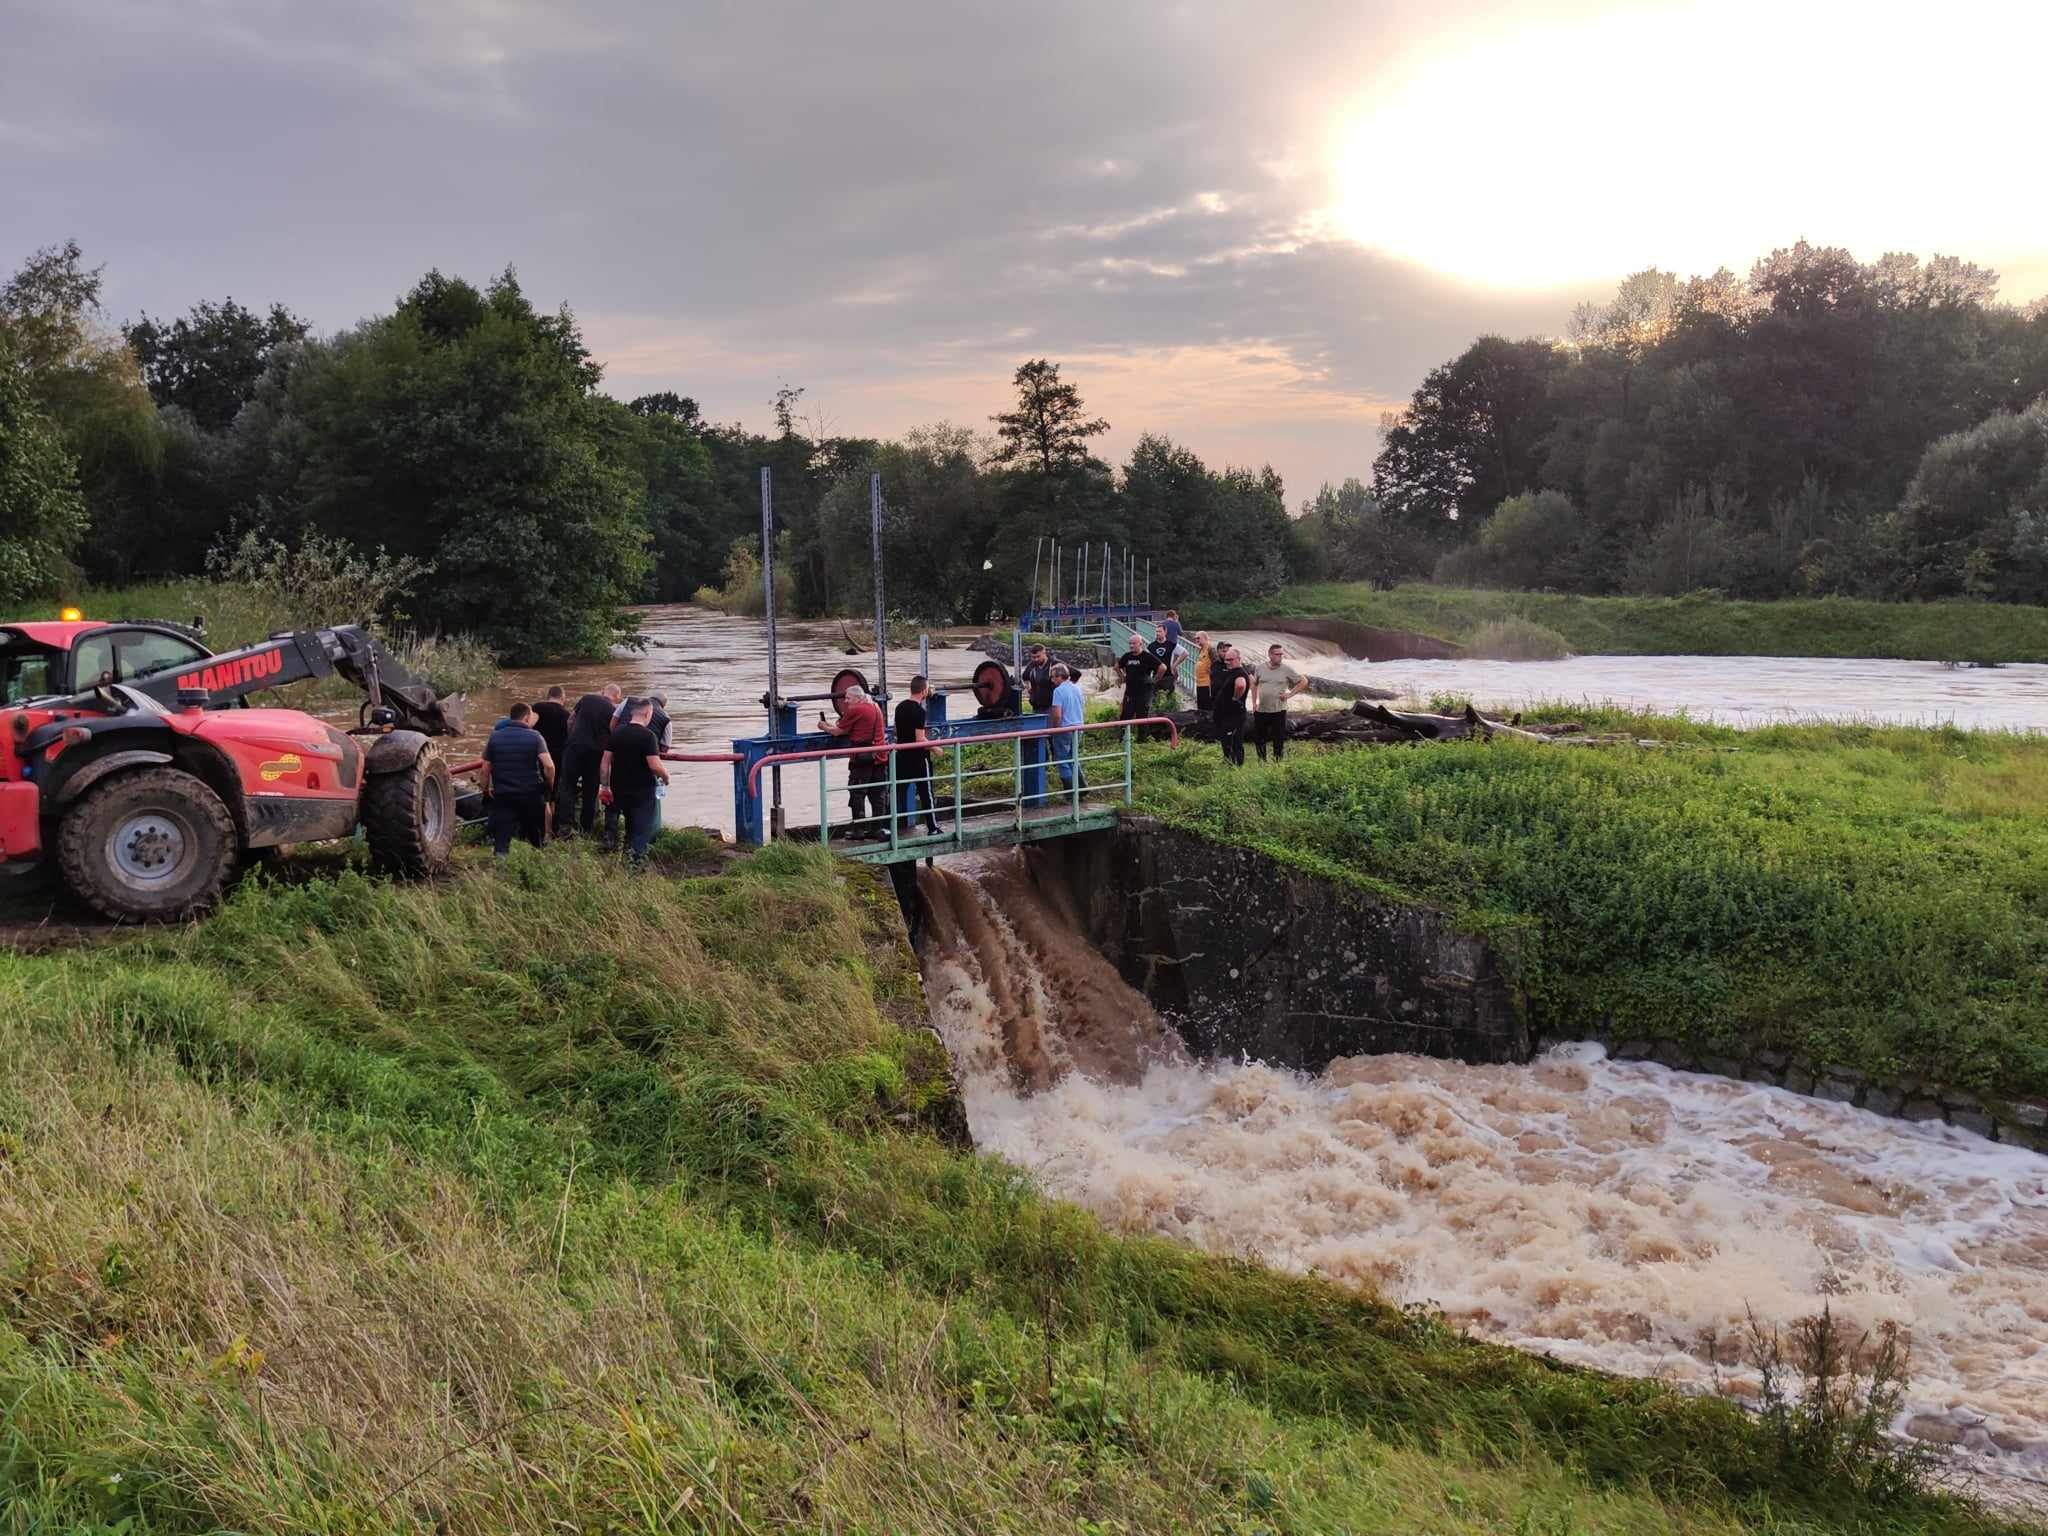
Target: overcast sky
[(1252, 226)]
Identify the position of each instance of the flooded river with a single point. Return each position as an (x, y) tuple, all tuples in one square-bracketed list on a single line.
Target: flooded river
[(1619, 1215), (1735, 690)]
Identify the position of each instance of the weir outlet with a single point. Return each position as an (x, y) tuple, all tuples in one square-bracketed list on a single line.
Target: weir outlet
[(1254, 959)]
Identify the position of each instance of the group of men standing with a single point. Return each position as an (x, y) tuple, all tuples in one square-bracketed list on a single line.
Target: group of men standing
[(608, 748)]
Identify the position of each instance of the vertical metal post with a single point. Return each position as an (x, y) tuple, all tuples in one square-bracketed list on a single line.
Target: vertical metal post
[(881, 615), (1127, 763), (892, 797), (924, 654), (1018, 755), (1037, 554), (1081, 586), (768, 602), (824, 807), (959, 793)]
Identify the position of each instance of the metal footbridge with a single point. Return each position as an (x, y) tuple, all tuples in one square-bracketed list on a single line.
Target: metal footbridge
[(1003, 777), (984, 783)]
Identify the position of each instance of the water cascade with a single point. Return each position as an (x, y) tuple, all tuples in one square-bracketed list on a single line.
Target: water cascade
[(1620, 1215)]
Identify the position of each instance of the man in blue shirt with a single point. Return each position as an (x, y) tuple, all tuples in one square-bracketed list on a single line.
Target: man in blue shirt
[(1068, 709), (518, 776)]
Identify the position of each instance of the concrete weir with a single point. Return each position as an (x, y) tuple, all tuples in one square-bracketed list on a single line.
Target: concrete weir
[(1253, 958)]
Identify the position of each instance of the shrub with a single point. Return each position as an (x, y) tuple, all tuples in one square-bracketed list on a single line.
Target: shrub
[(1518, 640), (740, 591)]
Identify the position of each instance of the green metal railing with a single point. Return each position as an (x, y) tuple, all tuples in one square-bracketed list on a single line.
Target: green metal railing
[(976, 817)]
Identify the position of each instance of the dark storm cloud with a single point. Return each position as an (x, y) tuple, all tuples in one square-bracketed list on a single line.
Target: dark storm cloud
[(889, 204)]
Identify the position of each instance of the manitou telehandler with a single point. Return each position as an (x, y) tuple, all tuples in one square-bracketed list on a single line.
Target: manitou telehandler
[(130, 761)]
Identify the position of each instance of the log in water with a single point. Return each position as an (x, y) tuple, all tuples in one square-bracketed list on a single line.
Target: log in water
[(1620, 1215)]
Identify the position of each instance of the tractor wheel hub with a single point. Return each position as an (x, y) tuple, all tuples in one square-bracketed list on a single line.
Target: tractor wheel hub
[(149, 847)]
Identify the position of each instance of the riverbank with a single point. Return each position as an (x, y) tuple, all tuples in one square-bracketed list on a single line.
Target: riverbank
[(1666, 626), (543, 1195), (1864, 901)]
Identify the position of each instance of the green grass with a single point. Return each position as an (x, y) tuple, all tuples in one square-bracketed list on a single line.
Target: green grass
[(1869, 897), (1672, 626), (545, 1199)]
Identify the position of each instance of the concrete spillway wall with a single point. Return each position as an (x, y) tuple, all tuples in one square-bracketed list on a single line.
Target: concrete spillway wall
[(1251, 957), (1255, 958)]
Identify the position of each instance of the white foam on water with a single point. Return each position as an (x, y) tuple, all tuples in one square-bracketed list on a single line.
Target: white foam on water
[(1619, 1215)]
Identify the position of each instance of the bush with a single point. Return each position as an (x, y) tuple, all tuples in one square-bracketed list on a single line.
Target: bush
[(1518, 640), (740, 591), (323, 581), (1528, 542), (1697, 545)]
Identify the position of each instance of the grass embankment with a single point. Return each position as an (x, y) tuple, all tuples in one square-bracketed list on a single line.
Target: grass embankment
[(1671, 626), (543, 1199), (1867, 897)]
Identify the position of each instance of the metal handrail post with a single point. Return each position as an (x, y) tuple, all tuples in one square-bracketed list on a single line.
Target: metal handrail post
[(824, 807), (959, 794), (1127, 764), (1017, 759), (1074, 761), (892, 800)]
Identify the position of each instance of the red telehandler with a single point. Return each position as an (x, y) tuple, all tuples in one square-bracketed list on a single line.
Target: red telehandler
[(129, 760)]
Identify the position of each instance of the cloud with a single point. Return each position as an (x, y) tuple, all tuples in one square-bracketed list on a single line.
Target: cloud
[(891, 204)]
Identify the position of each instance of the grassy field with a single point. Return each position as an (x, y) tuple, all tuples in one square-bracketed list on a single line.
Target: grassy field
[(1868, 897), (544, 1199), (1671, 626)]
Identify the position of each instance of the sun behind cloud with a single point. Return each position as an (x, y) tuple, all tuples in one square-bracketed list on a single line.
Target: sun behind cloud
[(1592, 143)]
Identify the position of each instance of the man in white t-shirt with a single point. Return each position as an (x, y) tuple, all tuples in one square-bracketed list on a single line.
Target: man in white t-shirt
[(1273, 685)]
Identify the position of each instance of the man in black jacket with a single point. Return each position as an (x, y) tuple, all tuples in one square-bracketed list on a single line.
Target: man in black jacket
[(590, 732)]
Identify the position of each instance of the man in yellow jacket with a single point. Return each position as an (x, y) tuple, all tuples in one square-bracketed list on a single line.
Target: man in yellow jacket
[(1203, 655)]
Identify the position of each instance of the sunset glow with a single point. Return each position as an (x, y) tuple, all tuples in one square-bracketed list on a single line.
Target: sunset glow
[(1693, 136)]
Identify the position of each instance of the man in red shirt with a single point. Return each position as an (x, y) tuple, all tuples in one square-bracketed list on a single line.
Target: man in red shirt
[(867, 774)]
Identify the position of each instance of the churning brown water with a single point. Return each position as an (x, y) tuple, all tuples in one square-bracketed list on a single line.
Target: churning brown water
[(1614, 1214)]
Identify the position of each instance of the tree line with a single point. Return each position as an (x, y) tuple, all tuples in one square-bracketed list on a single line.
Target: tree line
[(466, 431), (1824, 426)]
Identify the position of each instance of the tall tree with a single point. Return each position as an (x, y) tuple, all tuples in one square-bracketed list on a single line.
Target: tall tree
[(41, 512), (82, 377), (1471, 436), (466, 429), (1049, 430), (208, 363)]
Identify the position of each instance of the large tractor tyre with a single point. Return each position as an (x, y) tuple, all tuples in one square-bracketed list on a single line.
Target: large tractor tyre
[(150, 846), (409, 818)]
